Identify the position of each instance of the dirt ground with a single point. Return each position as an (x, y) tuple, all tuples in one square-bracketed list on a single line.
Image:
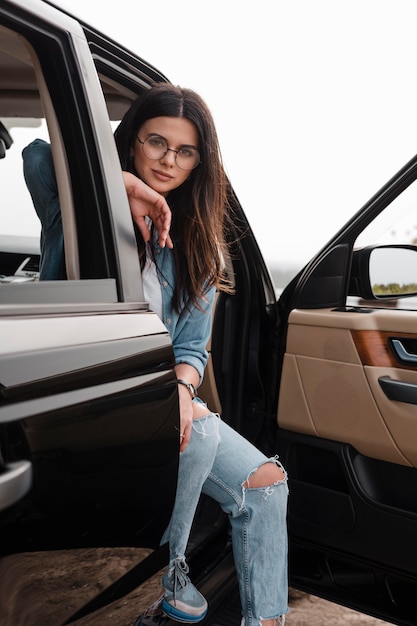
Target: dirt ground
[(43, 580), (307, 610)]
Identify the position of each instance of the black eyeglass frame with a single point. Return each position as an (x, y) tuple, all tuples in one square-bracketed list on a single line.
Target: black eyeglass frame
[(169, 150)]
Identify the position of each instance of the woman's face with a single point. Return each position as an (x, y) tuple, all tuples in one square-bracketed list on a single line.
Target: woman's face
[(164, 174)]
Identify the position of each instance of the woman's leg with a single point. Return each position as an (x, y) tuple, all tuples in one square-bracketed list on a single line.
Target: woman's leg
[(39, 173), (194, 467), (181, 600), (253, 491)]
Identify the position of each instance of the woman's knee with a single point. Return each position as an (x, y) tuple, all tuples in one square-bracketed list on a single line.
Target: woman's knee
[(204, 441), (38, 162), (39, 174), (269, 473), (206, 427)]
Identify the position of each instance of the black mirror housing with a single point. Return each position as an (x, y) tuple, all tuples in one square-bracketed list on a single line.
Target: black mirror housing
[(384, 272)]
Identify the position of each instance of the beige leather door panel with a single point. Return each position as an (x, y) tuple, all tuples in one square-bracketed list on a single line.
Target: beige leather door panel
[(330, 382)]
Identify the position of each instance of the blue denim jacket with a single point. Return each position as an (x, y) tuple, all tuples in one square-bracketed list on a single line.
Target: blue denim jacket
[(189, 331)]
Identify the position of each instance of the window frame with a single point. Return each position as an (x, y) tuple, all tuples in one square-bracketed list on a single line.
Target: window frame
[(90, 175)]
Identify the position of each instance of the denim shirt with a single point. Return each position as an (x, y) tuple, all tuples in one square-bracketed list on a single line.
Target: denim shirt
[(189, 330)]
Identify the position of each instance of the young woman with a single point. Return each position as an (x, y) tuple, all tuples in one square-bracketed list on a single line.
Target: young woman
[(167, 142)]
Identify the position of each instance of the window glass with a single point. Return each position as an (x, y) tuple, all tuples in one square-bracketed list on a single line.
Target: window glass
[(396, 224), (24, 95), (18, 216), (21, 121)]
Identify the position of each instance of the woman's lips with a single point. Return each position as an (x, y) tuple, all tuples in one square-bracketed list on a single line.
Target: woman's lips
[(162, 176)]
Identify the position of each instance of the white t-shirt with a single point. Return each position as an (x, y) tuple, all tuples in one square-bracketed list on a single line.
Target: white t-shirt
[(151, 286)]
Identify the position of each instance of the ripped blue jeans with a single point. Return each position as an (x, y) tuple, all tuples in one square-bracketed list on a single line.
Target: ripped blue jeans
[(219, 462)]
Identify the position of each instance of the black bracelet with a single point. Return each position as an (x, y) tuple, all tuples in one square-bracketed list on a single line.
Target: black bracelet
[(190, 387)]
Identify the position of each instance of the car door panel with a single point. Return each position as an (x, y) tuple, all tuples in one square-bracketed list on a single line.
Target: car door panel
[(399, 416), (70, 407), (350, 453), (342, 397), (96, 357)]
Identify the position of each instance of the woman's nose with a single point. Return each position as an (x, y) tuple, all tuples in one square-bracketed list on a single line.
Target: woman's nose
[(169, 157)]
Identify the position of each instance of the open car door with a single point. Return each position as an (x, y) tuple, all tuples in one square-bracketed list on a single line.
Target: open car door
[(347, 411)]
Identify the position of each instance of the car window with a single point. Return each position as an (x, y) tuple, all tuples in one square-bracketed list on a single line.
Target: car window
[(396, 224), (35, 105), (18, 217)]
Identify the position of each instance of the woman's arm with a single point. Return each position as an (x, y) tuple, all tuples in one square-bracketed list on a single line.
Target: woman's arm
[(190, 349), (188, 374), (191, 334), (189, 410)]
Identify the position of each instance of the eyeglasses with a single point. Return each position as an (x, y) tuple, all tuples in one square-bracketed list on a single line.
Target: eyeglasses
[(155, 147)]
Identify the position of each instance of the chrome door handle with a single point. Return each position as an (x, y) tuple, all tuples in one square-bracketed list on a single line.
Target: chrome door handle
[(402, 353), (15, 482)]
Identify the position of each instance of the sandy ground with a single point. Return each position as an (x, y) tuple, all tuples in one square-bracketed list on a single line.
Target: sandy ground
[(93, 570), (307, 610)]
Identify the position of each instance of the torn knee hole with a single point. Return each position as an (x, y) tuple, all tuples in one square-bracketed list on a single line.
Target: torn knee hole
[(265, 476)]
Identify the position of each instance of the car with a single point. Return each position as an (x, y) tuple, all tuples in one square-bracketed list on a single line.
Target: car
[(325, 375)]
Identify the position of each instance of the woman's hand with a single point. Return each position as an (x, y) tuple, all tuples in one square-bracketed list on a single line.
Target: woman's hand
[(186, 416), (189, 410), (146, 202)]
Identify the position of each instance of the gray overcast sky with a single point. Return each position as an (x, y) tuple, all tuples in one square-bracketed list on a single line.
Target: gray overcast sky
[(315, 102)]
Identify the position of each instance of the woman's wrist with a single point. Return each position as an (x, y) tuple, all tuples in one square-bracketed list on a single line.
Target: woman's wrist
[(191, 389)]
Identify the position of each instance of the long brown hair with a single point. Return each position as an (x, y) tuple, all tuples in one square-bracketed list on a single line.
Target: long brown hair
[(199, 205)]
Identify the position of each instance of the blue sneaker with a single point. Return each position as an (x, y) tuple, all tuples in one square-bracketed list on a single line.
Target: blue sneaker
[(182, 601)]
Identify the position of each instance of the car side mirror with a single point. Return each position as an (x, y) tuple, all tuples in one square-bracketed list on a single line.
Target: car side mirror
[(384, 272)]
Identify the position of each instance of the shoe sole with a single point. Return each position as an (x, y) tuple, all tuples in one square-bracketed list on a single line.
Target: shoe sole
[(179, 616)]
